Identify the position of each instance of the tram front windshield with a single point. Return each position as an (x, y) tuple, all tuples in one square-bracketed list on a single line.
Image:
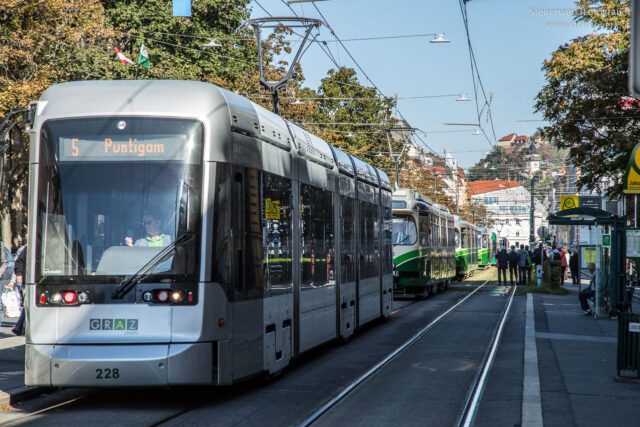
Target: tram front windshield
[(404, 230), (112, 193)]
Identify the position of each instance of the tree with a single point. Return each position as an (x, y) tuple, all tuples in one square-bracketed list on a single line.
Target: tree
[(42, 42), (586, 79)]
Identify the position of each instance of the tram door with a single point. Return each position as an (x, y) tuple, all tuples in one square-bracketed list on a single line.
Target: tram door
[(347, 267)]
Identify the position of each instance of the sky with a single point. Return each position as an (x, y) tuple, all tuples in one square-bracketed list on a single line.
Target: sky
[(510, 40)]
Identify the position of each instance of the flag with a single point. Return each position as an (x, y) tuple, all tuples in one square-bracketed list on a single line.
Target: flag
[(143, 57), (123, 58)]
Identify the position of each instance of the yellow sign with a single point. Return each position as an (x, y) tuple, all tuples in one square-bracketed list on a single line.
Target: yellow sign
[(271, 209), (631, 181), (568, 202), (589, 255)]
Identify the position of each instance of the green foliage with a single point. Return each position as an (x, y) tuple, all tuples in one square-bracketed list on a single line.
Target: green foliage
[(586, 80)]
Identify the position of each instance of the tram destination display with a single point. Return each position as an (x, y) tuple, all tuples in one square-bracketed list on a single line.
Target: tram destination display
[(132, 148)]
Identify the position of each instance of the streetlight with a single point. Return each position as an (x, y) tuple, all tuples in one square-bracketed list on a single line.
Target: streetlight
[(212, 43), (439, 38)]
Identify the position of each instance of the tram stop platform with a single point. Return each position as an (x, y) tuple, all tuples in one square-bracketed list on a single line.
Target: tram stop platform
[(12, 388), (577, 365)]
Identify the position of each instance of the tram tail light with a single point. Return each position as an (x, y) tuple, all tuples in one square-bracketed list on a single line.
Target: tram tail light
[(43, 299), (70, 297), (162, 296)]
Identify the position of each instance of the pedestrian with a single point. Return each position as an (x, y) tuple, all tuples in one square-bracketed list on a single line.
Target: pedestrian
[(4, 264), (589, 291), (503, 263), (529, 263), (513, 264), (574, 266), (564, 263), (522, 265), (19, 269)]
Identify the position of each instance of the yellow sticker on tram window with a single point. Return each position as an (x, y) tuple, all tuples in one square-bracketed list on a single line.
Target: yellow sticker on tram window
[(271, 209)]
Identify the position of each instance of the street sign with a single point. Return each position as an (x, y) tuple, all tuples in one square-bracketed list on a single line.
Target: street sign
[(542, 232), (569, 202), (181, 7), (606, 240), (594, 202)]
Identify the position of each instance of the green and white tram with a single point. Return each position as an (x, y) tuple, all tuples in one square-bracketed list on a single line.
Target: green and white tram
[(423, 244), (466, 241), (487, 247)]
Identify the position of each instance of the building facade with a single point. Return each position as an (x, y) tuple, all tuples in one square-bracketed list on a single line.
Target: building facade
[(509, 206)]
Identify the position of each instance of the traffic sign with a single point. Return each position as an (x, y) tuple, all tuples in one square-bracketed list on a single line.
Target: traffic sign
[(569, 202), (591, 202), (542, 232)]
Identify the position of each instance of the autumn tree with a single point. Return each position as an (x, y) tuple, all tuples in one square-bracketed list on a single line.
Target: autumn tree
[(586, 80), (42, 42)]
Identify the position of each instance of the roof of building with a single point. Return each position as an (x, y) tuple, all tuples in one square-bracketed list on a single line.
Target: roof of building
[(509, 137), (481, 187), (522, 138)]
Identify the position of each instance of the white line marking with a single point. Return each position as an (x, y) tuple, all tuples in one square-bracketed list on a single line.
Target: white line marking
[(531, 401)]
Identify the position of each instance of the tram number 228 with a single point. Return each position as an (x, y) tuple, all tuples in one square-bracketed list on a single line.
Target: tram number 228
[(107, 374)]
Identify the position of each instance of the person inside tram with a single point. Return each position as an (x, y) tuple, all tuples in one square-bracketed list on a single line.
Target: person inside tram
[(154, 236)]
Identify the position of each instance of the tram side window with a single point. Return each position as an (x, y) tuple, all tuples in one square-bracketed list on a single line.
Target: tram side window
[(424, 230), (457, 238), (369, 251), (347, 257), (451, 234), (443, 231), (387, 261), (237, 245), (222, 262), (318, 255), (277, 227)]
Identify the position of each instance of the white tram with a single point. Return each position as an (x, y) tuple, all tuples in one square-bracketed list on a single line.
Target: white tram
[(181, 234)]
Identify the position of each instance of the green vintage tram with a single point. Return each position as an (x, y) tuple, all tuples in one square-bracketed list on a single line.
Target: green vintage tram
[(466, 241), (423, 244), (487, 247)]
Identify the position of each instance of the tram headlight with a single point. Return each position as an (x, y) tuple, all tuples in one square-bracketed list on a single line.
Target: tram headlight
[(147, 296), (83, 297), (56, 298), (176, 296)]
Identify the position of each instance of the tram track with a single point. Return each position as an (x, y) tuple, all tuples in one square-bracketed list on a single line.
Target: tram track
[(202, 402), (350, 389)]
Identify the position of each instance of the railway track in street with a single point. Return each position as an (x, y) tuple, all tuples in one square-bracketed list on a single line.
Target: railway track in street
[(179, 406)]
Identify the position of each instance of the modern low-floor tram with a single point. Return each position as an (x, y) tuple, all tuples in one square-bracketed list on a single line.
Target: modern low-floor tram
[(181, 234), (423, 244)]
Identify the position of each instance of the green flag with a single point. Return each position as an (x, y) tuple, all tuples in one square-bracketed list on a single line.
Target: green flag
[(143, 58)]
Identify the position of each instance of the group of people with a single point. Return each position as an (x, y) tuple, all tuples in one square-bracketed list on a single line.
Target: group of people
[(16, 281), (518, 262)]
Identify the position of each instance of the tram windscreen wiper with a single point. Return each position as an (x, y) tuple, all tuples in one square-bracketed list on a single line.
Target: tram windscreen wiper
[(130, 282)]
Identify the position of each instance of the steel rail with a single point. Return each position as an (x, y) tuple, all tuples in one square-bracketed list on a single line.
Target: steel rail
[(332, 402), (477, 387)]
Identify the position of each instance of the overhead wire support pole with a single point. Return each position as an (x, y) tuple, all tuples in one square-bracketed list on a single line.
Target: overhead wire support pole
[(273, 22)]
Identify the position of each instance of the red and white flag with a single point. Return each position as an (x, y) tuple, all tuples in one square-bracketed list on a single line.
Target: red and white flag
[(123, 58)]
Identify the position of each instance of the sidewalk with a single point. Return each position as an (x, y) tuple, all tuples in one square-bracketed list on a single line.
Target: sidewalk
[(12, 388), (577, 365)]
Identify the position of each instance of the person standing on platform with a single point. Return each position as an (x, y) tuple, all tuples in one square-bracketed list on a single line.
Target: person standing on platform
[(502, 262), (574, 267), (564, 263), (513, 264), (522, 265), (19, 270)]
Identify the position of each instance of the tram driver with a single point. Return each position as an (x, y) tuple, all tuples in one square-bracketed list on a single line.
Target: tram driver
[(154, 235)]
